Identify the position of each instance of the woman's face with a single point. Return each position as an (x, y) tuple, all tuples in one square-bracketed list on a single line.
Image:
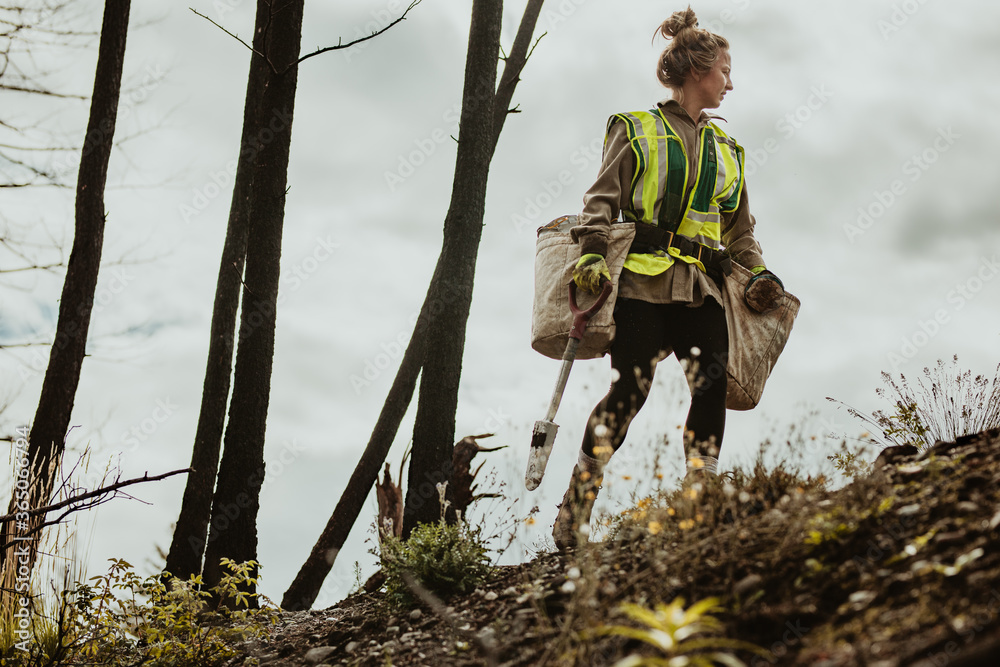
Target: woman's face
[(711, 87)]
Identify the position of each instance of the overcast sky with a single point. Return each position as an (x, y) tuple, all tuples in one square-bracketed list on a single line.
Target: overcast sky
[(870, 170)]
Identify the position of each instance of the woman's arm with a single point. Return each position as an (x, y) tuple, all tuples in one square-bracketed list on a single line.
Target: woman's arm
[(602, 202), (737, 235)]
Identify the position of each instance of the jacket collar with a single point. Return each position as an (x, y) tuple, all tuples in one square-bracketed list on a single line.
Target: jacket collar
[(672, 106)]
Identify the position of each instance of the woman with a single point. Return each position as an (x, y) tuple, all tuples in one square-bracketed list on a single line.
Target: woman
[(679, 178)]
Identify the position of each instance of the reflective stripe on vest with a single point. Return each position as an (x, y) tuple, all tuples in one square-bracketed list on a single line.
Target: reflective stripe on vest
[(661, 177)]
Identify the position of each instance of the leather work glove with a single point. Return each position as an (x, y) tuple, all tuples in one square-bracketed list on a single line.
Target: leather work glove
[(589, 271), (764, 292)]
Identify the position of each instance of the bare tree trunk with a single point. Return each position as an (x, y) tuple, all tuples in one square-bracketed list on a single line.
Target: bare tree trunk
[(233, 531), (434, 431), (305, 588), (518, 58), (46, 441), (188, 544)]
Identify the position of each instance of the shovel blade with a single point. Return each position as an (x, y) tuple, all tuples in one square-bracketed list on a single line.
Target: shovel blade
[(542, 437)]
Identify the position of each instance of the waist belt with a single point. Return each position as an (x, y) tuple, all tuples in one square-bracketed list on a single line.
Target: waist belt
[(650, 238)]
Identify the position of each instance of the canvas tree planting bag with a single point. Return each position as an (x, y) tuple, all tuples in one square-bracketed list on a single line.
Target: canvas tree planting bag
[(556, 255), (755, 340)]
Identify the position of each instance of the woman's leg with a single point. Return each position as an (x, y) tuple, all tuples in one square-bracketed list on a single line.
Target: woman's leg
[(637, 345), (703, 328)]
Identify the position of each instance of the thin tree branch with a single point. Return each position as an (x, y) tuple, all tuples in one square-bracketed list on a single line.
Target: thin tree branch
[(44, 267), (40, 148), (520, 51), (528, 57), (236, 37), (91, 494), (341, 45), (88, 500), (41, 91)]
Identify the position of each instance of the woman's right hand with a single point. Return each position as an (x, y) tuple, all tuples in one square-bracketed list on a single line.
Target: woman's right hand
[(589, 271)]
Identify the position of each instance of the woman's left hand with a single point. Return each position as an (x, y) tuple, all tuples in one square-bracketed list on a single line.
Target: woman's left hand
[(764, 292)]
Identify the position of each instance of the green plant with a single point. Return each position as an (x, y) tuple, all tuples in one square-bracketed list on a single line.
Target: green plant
[(174, 625), (840, 521), (445, 558), (850, 464), (683, 636), (700, 506), (120, 618), (944, 404), (32, 610)]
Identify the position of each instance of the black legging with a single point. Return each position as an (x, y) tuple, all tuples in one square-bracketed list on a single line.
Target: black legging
[(644, 330)]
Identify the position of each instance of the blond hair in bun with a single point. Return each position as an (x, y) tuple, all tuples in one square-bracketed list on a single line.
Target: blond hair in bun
[(690, 48)]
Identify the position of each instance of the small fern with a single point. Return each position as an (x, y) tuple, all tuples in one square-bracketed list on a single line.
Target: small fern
[(679, 633)]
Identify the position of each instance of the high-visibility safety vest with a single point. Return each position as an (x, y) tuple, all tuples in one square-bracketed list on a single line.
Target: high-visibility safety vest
[(661, 178)]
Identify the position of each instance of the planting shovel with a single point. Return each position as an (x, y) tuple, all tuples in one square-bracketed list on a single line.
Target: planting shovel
[(544, 433)]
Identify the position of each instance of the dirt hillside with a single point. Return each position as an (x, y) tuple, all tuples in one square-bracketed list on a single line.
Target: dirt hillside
[(899, 567)]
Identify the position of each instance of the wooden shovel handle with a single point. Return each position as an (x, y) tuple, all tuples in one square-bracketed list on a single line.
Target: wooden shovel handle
[(581, 317)]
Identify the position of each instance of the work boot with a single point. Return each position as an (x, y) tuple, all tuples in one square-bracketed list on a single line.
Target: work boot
[(578, 502), (701, 467)]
